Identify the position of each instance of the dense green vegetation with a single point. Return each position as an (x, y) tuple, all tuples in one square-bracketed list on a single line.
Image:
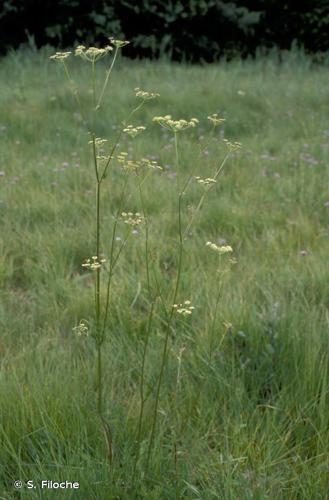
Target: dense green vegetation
[(244, 407), (189, 30)]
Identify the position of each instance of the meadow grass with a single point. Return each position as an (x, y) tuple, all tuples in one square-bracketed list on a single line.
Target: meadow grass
[(244, 404)]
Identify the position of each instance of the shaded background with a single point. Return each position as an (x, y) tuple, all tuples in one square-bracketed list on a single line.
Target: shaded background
[(192, 30)]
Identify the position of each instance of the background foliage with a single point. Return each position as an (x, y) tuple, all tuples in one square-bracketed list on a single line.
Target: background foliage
[(183, 30)]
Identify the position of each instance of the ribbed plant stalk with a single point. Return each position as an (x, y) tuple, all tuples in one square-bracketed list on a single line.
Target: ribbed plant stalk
[(172, 309), (147, 333), (99, 337)]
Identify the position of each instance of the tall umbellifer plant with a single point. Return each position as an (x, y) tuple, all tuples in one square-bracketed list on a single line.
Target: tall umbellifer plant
[(103, 264)]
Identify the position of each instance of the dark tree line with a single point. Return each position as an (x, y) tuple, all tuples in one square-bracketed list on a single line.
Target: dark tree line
[(190, 30)]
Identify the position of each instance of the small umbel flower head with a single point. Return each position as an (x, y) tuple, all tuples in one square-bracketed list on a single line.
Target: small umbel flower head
[(185, 309), (81, 329), (94, 263), (175, 125), (232, 146), (80, 50), (133, 131), (215, 119), (98, 141), (60, 56), (118, 44), (135, 165), (132, 219), (146, 96), (221, 249), (205, 181), (122, 157), (92, 54), (149, 164)]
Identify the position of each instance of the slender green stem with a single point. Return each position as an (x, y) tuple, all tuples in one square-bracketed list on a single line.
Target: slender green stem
[(147, 335), (117, 141), (98, 339), (171, 314), (95, 158), (202, 198), (213, 324), (99, 381), (93, 79), (159, 294), (134, 111), (113, 260), (142, 392), (97, 292), (164, 359), (98, 229), (177, 160), (147, 264), (75, 92), (107, 164), (108, 74), (98, 278)]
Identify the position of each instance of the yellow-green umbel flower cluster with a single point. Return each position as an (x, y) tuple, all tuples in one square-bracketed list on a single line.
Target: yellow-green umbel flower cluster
[(147, 163), (132, 219), (98, 141), (232, 146), (92, 54), (134, 165), (215, 119), (102, 158), (185, 309), (82, 329), (118, 43), (143, 94), (60, 56), (221, 249), (133, 131), (122, 157), (94, 263), (205, 181), (175, 125)]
